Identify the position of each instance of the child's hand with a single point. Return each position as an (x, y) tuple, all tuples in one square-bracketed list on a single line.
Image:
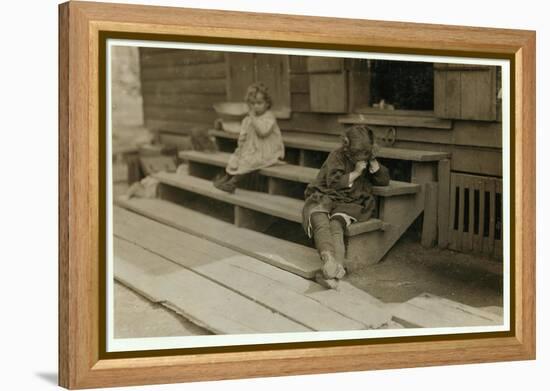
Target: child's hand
[(360, 166)]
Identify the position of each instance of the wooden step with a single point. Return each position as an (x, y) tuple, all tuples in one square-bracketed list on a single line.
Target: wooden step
[(295, 258), (297, 299), (283, 207), (312, 143), (197, 298), (294, 173)]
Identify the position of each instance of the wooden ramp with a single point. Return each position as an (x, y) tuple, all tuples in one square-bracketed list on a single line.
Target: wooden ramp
[(157, 260), (300, 260), (427, 310)]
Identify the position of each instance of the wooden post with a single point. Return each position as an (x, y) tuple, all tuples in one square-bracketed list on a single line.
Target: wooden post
[(429, 225), (443, 178), (246, 218)]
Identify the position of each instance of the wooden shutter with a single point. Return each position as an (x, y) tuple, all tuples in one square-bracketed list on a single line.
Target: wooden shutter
[(240, 74), (273, 71), (270, 69), (328, 82), (467, 92)]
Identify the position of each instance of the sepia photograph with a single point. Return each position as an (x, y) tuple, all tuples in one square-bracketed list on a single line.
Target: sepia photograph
[(269, 195)]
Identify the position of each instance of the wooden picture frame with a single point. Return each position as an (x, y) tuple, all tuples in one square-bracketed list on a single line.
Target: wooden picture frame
[(83, 362)]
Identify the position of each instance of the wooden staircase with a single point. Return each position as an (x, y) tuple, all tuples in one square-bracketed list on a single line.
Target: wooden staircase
[(279, 197)]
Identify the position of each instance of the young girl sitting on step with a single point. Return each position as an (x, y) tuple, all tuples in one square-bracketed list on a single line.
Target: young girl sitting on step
[(341, 195), (260, 143)]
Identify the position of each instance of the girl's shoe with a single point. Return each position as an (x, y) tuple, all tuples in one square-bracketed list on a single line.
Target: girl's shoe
[(225, 183), (331, 268), (330, 283)]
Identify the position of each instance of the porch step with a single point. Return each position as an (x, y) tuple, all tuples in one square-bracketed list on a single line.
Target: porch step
[(295, 258), (274, 205), (294, 173), (309, 142)]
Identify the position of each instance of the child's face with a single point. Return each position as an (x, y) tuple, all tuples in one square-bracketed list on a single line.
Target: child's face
[(258, 104)]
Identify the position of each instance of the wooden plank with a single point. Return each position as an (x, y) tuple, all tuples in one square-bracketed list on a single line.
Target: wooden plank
[(298, 64), (193, 71), (299, 102), (176, 127), (153, 57), (295, 173), (478, 240), (297, 259), (250, 219), (325, 64), (429, 224), (498, 251), (318, 144), (447, 94), (299, 83), (475, 239), (428, 310), (396, 120), (188, 100), (202, 301), (453, 216), (477, 134), (359, 82), (273, 71), (440, 91), (469, 236), (347, 300), (210, 86), (241, 73), (444, 205), (179, 114), (308, 122), (474, 160), (222, 265), (490, 240), (283, 207), (328, 92), (461, 202), (478, 94)]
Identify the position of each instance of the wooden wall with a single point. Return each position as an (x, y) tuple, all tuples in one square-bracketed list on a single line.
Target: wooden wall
[(179, 88)]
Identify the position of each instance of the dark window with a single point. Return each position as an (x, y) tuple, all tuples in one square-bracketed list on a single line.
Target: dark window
[(405, 85)]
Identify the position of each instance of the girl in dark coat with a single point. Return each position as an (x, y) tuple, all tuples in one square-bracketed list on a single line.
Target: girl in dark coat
[(341, 195)]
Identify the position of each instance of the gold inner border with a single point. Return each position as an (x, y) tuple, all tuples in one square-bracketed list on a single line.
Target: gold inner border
[(102, 195)]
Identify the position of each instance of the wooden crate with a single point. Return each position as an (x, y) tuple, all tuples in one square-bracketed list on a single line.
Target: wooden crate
[(475, 224)]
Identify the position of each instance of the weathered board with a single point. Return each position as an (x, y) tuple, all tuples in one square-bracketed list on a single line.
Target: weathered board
[(465, 92), (283, 254), (427, 310), (223, 266), (328, 92), (199, 299)]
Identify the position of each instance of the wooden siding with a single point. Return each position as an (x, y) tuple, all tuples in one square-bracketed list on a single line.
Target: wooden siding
[(179, 88)]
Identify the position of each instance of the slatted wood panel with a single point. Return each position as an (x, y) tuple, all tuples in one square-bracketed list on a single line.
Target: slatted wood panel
[(179, 88), (475, 224), (465, 92)]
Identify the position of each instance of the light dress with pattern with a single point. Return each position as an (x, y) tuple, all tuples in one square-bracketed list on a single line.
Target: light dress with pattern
[(260, 145)]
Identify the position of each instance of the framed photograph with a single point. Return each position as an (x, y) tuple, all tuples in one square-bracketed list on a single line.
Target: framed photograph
[(246, 195)]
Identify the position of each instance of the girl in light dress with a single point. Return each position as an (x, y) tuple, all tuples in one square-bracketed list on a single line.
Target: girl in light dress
[(260, 143)]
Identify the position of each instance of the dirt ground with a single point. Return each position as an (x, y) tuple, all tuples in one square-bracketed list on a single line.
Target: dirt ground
[(409, 270), (137, 317)]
